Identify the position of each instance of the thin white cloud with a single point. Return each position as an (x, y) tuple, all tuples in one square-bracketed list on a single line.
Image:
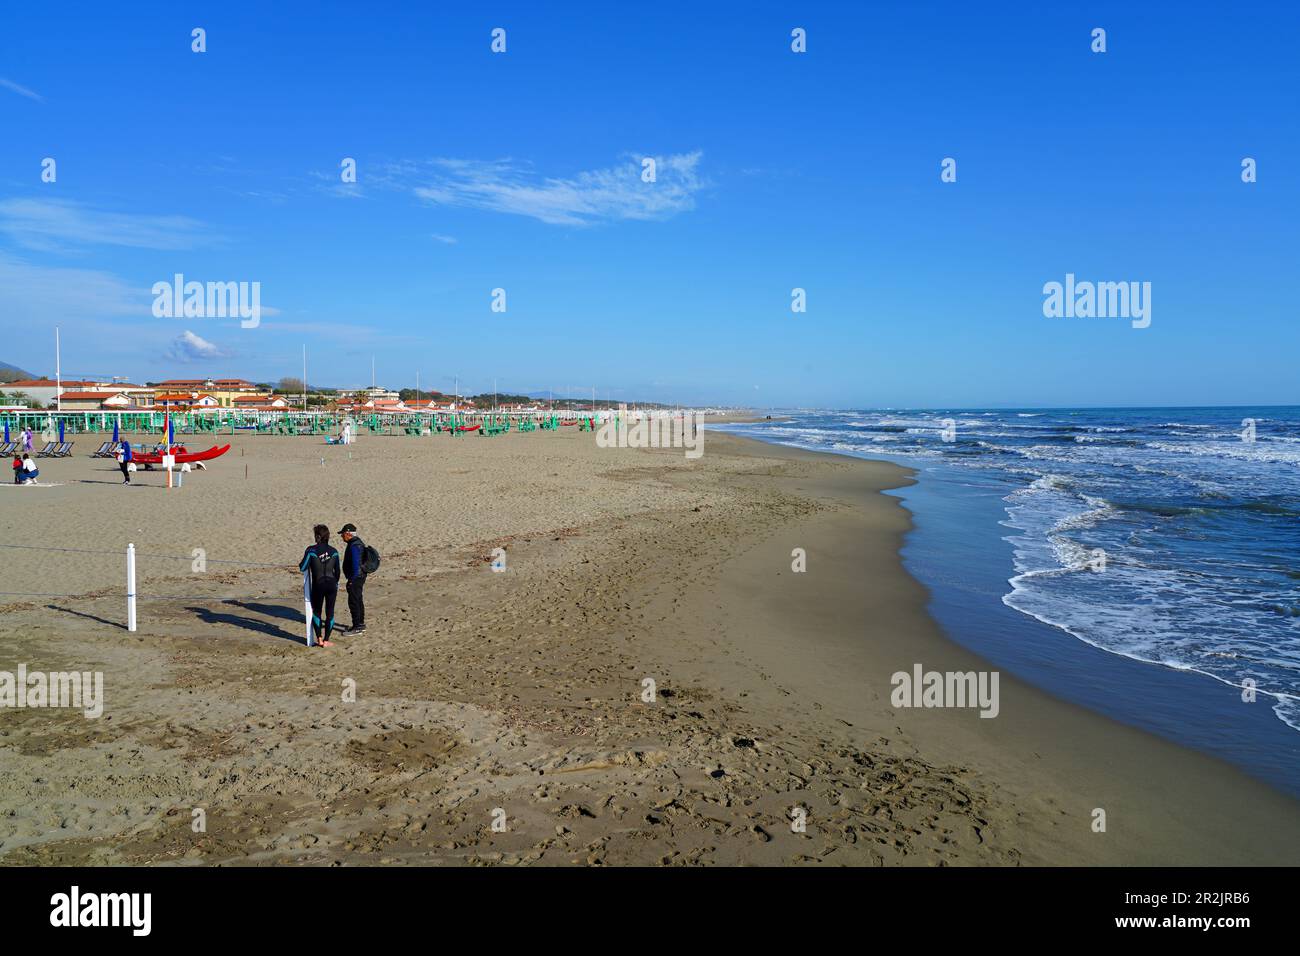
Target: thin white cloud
[(332, 185), (39, 294), (188, 347), (448, 240), (586, 198), (53, 224), (21, 90)]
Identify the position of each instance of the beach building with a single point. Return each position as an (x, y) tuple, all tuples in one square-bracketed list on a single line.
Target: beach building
[(260, 402), (94, 400), (186, 401), (47, 390), (223, 390)]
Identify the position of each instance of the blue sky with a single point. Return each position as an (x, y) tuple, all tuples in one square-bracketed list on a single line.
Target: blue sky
[(776, 170)]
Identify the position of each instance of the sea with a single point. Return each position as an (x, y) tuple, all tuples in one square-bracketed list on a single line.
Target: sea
[(1142, 562)]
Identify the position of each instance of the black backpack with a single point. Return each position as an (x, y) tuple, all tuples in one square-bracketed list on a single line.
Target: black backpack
[(369, 559)]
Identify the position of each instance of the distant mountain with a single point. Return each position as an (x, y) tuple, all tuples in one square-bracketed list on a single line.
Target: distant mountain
[(12, 373)]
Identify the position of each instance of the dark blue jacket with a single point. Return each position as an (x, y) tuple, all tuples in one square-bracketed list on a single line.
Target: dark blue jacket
[(352, 559)]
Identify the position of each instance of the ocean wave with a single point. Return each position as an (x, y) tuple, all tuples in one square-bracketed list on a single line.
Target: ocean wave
[(1242, 451)]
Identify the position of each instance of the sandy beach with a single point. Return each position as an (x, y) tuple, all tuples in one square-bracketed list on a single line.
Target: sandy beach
[(483, 697)]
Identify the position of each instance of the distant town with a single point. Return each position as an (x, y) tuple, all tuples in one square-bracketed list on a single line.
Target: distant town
[(288, 394)]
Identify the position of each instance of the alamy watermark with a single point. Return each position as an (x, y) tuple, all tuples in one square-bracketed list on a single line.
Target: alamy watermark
[(923, 688), (654, 431), (80, 690), (129, 910), (213, 300), (1102, 300)]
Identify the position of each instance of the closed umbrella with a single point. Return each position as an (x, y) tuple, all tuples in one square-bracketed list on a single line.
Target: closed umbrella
[(6, 432), (115, 438), (60, 431)]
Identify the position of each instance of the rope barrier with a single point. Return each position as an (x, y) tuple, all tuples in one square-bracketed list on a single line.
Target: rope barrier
[(133, 596), (141, 597), (141, 554)]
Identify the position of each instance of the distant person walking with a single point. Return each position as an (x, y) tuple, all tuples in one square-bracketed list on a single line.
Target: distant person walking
[(124, 462), (355, 569), (27, 439), (320, 563)]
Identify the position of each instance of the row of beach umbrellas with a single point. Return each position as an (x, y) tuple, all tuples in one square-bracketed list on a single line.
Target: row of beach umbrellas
[(171, 431)]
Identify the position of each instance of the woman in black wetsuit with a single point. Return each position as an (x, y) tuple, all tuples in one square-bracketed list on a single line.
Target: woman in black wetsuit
[(321, 563)]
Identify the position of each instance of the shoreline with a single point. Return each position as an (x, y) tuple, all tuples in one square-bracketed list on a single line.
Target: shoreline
[(524, 691), (1058, 758), (962, 548)]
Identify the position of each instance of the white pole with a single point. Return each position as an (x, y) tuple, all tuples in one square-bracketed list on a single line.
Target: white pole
[(130, 587), (304, 378), (58, 374), (306, 604)]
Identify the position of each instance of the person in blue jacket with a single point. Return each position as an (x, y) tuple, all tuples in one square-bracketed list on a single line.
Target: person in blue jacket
[(123, 460), (355, 572)]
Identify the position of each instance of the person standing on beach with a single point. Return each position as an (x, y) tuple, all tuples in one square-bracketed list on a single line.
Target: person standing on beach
[(124, 462), (27, 439), (354, 570), (320, 563)]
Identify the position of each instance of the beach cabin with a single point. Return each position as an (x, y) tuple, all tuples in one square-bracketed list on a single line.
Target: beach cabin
[(263, 402), (186, 400), (93, 401)]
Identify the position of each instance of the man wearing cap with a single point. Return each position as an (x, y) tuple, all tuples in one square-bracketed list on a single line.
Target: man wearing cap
[(356, 575)]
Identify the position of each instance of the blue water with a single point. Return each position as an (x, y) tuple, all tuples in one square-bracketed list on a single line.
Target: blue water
[(1142, 562)]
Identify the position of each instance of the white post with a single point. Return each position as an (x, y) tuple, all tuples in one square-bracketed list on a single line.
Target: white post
[(130, 587), (306, 603), (58, 374)]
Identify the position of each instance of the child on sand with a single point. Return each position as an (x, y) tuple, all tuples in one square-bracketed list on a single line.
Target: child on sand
[(30, 472)]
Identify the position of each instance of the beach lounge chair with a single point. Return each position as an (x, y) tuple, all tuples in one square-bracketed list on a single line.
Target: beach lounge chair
[(47, 450), (62, 450), (8, 448)]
